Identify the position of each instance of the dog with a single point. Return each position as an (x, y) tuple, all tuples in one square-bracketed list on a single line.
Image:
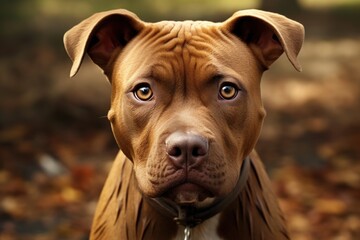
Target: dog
[(186, 112)]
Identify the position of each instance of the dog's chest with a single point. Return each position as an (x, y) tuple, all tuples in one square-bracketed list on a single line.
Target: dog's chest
[(207, 230)]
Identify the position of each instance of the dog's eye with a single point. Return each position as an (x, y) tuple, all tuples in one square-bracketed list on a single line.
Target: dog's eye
[(143, 92), (228, 91)]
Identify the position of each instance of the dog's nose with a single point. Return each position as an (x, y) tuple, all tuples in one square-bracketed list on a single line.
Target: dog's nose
[(186, 150)]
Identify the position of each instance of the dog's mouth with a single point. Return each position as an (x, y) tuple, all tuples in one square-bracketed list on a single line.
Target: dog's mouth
[(189, 194)]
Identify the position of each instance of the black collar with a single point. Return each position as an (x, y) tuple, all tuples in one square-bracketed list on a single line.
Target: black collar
[(192, 216)]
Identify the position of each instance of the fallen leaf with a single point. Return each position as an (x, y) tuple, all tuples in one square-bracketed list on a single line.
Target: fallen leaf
[(330, 206)]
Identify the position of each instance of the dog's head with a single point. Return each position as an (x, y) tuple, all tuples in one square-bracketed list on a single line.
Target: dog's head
[(186, 105)]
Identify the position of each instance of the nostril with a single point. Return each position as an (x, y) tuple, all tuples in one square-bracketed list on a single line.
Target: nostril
[(198, 151), (175, 151)]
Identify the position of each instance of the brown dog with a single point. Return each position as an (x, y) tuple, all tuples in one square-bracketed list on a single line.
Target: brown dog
[(186, 112)]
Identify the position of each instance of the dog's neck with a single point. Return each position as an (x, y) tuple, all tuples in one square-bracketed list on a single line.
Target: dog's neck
[(189, 216)]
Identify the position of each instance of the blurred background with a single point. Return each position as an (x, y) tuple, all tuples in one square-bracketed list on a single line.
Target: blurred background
[(56, 146)]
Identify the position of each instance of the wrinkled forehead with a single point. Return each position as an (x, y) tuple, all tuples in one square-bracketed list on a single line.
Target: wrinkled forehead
[(171, 34), (177, 49)]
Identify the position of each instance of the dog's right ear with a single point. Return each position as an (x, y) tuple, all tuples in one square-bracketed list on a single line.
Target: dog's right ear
[(99, 36)]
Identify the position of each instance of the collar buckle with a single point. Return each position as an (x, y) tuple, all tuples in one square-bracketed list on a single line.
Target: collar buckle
[(187, 233)]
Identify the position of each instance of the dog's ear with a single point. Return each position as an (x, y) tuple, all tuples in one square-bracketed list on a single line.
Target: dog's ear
[(268, 35), (99, 36)]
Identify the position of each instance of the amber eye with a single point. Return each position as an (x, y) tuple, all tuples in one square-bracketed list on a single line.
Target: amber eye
[(143, 92), (228, 91)]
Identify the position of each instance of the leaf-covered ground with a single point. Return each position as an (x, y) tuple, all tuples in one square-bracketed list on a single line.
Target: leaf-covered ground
[(56, 145)]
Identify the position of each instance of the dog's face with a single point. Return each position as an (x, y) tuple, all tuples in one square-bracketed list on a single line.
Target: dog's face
[(176, 85), (186, 106)]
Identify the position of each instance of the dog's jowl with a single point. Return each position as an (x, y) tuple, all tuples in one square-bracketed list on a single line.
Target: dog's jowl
[(186, 112)]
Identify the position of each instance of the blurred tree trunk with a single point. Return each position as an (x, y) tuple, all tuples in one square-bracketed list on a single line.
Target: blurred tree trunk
[(282, 6)]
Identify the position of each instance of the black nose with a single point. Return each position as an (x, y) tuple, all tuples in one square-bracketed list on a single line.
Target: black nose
[(186, 150)]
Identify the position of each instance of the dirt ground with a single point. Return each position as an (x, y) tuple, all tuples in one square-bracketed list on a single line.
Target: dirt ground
[(56, 145)]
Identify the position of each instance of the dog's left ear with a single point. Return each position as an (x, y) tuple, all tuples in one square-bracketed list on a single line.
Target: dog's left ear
[(100, 36), (268, 35)]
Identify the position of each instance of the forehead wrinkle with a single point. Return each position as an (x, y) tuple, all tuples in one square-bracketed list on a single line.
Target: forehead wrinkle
[(170, 35), (157, 43), (197, 53), (162, 72), (172, 38), (175, 50)]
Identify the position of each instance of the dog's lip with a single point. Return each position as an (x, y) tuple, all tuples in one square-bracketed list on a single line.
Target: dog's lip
[(188, 193), (188, 187)]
